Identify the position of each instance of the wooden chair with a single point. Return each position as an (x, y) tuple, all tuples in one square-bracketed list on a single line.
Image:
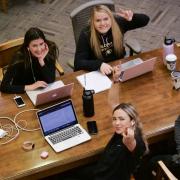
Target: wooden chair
[(8, 49), (4, 5), (80, 18), (163, 173)]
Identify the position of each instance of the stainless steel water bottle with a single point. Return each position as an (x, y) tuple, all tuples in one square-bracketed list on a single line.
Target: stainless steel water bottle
[(88, 103)]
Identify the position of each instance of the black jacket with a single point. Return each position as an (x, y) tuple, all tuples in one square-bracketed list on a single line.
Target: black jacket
[(17, 76), (117, 162), (86, 59)]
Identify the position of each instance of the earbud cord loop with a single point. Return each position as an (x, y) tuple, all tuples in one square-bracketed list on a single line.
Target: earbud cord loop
[(31, 66)]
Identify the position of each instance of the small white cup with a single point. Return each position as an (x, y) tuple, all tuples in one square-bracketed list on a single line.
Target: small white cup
[(171, 62)]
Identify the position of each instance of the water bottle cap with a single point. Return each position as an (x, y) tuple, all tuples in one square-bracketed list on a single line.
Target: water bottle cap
[(88, 92), (168, 42)]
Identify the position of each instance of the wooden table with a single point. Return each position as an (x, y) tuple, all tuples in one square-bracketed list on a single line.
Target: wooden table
[(152, 94)]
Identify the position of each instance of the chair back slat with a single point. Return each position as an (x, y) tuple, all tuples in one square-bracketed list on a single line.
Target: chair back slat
[(164, 173), (8, 49)]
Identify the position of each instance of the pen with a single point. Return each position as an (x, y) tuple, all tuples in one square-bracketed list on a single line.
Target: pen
[(85, 81)]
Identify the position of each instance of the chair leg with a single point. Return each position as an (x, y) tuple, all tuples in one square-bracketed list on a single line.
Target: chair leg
[(131, 52), (4, 4)]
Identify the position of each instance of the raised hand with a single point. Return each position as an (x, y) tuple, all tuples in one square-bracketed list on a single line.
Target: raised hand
[(126, 14), (129, 139), (43, 54)]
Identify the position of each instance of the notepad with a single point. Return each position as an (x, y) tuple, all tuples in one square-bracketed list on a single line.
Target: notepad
[(95, 81)]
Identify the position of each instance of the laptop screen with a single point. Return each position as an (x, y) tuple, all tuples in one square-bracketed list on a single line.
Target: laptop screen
[(57, 117)]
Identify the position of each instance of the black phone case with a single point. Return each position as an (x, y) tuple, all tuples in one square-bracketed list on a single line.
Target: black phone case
[(92, 127)]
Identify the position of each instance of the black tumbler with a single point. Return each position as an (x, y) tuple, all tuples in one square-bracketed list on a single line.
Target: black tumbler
[(88, 103)]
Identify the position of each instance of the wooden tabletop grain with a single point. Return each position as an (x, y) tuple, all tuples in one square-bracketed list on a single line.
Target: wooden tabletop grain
[(152, 94)]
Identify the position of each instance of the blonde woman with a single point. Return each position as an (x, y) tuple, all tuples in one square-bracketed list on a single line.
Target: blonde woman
[(102, 41), (124, 151)]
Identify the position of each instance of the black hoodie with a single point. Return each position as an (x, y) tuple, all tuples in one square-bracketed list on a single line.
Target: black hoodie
[(85, 59)]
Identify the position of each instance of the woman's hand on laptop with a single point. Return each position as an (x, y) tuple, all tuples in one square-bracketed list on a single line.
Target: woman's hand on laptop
[(37, 84), (116, 73), (106, 69)]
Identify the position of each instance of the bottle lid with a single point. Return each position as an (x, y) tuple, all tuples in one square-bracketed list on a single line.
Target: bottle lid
[(168, 41)]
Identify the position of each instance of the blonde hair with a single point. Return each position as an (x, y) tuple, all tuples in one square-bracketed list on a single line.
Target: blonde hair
[(116, 33), (134, 116)]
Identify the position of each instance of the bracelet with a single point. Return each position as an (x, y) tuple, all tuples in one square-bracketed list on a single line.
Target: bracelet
[(28, 145)]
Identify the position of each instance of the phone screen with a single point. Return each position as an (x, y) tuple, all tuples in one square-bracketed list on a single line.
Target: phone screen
[(19, 101), (92, 127)]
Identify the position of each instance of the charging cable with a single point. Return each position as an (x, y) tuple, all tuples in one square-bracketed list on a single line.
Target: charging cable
[(17, 122), (8, 131)]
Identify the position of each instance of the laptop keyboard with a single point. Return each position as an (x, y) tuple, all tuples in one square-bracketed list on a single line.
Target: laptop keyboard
[(131, 63), (64, 135)]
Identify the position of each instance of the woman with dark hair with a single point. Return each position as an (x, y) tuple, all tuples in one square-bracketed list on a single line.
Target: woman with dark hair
[(102, 41), (33, 65), (124, 151)]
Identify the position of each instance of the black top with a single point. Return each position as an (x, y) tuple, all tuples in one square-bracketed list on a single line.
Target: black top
[(85, 58), (17, 76), (117, 162)]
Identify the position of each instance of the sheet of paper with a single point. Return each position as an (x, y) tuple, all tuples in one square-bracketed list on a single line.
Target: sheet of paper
[(95, 81)]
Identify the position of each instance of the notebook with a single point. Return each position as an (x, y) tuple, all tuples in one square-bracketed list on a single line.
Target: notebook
[(60, 126), (54, 91), (136, 67), (94, 81)]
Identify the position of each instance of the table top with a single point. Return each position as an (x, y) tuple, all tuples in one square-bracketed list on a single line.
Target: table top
[(152, 94)]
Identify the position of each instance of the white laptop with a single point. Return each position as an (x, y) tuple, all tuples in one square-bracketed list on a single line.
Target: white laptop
[(136, 67), (54, 91), (60, 126)]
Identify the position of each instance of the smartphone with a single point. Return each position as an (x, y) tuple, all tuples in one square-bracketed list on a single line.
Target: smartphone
[(19, 101), (92, 127)]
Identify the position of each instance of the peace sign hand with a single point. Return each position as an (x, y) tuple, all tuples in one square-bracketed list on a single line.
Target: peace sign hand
[(126, 14)]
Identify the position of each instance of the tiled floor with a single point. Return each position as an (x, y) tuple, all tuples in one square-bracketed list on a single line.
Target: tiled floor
[(53, 18)]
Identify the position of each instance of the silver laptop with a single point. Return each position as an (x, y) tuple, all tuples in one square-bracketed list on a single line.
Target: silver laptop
[(136, 67), (60, 126), (54, 91)]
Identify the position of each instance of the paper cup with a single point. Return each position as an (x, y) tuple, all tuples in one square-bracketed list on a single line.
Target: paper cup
[(171, 62)]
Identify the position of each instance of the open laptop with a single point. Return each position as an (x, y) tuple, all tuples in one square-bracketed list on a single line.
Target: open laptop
[(54, 91), (60, 126), (136, 67)]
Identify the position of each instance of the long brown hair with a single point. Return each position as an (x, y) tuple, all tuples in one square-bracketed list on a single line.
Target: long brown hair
[(116, 33), (32, 34)]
